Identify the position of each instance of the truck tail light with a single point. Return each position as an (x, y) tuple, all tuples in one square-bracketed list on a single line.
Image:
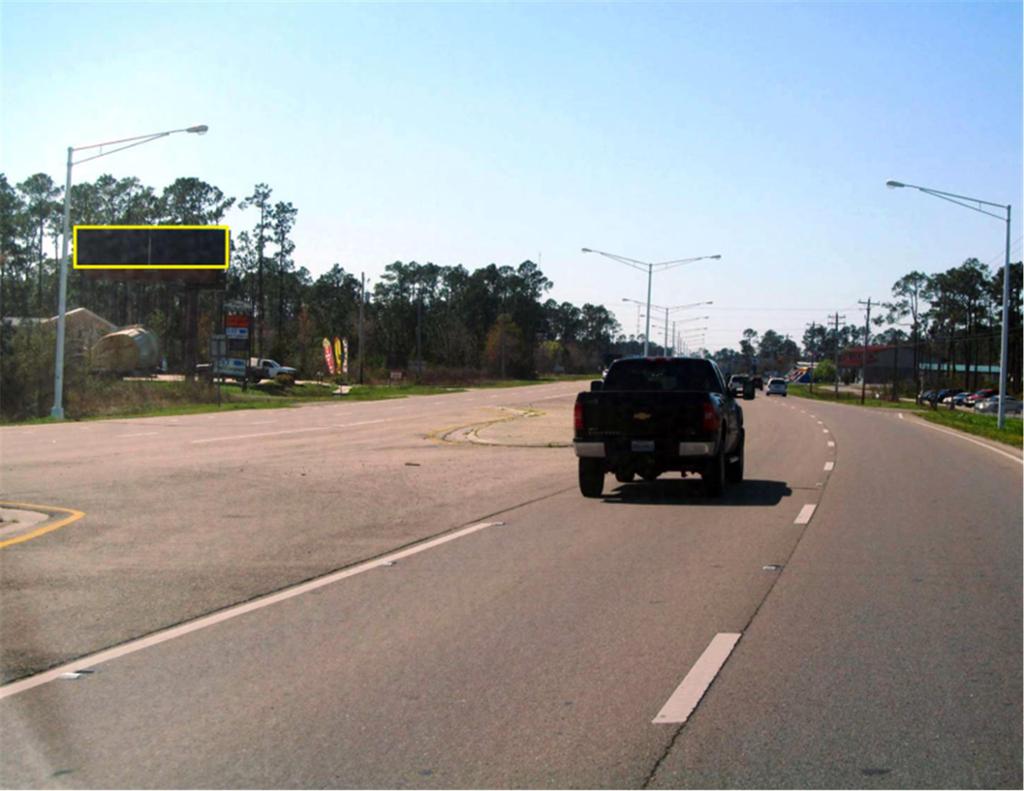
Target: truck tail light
[(710, 421), (577, 417)]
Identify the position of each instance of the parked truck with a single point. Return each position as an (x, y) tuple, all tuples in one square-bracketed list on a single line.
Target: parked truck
[(652, 415), (259, 368)]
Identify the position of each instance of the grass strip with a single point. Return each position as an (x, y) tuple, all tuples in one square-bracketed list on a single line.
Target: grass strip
[(826, 393), (979, 424), (982, 425)]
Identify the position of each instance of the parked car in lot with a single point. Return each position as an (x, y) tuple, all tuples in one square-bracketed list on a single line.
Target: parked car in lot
[(958, 399), (991, 405), (652, 415), (979, 395), (949, 395), (777, 386)]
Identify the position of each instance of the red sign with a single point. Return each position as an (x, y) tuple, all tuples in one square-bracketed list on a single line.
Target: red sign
[(236, 320), (329, 356)]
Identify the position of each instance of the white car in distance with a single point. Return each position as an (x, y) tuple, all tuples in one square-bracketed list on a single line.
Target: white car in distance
[(777, 386)]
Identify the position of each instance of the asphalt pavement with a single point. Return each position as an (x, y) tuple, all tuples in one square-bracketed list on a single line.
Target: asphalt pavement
[(414, 594)]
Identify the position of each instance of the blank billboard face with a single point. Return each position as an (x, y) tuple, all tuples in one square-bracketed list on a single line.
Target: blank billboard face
[(152, 247)]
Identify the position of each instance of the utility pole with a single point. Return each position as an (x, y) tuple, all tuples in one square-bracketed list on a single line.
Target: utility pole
[(362, 301), (837, 317), (813, 341), (666, 332), (419, 334), (864, 357)]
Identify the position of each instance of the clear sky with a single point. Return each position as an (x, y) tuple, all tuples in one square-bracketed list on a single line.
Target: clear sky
[(462, 133)]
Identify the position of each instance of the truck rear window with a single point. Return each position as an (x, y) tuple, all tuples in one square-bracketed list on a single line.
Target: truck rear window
[(676, 375)]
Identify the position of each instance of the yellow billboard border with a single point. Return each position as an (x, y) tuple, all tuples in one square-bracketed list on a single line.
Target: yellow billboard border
[(227, 246)]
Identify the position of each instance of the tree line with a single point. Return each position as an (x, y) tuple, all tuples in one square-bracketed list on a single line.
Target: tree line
[(950, 322), (493, 319)]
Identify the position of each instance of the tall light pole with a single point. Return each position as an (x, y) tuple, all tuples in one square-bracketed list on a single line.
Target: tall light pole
[(127, 142), (1005, 341), (650, 267), (667, 311)]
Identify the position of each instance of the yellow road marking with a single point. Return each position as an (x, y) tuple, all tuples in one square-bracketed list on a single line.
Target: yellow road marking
[(73, 516)]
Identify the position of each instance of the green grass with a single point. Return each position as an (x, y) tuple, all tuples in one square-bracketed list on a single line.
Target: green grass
[(110, 399), (827, 393), (381, 392), (99, 399), (544, 380), (982, 425)]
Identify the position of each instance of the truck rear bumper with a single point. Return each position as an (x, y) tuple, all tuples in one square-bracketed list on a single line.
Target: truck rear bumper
[(597, 450), (697, 448), (589, 450)]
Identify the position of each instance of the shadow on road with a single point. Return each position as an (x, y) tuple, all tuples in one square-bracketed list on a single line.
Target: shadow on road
[(690, 491)]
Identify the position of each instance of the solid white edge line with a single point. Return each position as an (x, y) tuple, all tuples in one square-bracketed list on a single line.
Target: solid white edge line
[(92, 660), (688, 694), (829, 466), (805, 515), (958, 435)]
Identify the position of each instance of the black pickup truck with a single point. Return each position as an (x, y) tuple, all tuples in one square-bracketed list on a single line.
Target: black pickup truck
[(655, 414)]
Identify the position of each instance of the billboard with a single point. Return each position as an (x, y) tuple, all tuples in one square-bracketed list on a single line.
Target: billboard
[(195, 254)]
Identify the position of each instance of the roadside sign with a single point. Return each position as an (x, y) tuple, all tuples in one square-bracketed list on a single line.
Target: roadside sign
[(218, 346), (344, 356), (338, 358), (329, 356), (396, 376), (232, 366)]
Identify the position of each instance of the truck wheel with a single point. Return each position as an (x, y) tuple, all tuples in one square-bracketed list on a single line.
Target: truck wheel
[(714, 474), (734, 468), (591, 478)]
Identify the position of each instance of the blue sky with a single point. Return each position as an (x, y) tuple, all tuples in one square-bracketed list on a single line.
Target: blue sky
[(478, 133)]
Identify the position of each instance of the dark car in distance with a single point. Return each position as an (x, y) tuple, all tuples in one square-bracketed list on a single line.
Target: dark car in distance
[(652, 415)]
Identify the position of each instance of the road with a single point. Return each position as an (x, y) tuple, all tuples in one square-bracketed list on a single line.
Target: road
[(455, 614)]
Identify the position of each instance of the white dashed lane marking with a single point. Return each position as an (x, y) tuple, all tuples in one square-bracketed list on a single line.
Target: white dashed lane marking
[(684, 700), (805, 514)]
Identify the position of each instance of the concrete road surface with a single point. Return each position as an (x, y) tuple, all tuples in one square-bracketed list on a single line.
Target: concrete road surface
[(414, 594)]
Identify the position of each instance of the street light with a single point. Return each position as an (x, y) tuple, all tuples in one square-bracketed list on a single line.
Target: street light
[(669, 310), (1005, 341), (127, 142), (661, 266)]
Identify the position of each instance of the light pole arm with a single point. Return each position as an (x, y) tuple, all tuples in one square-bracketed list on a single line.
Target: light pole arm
[(119, 148), (661, 267), (641, 265)]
